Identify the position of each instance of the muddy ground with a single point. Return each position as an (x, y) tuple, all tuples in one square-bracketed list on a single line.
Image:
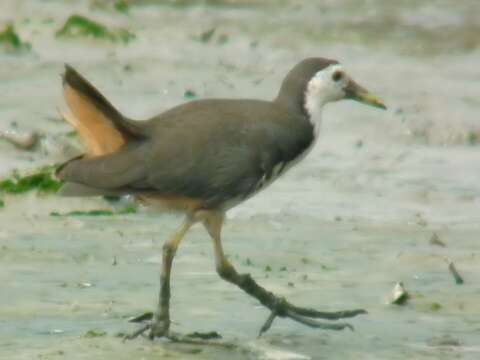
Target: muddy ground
[(337, 232)]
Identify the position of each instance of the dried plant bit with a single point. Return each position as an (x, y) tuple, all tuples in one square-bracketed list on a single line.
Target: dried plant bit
[(453, 270), (21, 141), (435, 306), (399, 295), (92, 333), (435, 240), (420, 220), (445, 340), (206, 36)]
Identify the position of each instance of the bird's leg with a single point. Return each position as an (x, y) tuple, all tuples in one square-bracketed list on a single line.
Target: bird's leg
[(277, 305), (160, 325)]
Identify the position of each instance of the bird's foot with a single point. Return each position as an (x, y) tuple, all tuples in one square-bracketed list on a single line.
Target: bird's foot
[(305, 316), (156, 327)]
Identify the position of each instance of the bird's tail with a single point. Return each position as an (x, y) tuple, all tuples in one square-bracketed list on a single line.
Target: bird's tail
[(102, 128)]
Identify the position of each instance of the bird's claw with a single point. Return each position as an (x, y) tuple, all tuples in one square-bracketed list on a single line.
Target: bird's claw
[(307, 317), (156, 328)]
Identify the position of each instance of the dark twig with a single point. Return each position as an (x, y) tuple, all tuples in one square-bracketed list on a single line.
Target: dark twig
[(454, 272), (435, 240), (185, 339)]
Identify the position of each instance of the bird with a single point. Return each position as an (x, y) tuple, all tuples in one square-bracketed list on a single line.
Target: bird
[(201, 159)]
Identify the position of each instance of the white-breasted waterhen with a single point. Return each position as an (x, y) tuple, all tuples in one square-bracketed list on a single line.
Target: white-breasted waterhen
[(202, 158)]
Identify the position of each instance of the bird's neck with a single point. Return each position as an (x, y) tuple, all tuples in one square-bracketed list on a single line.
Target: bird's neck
[(308, 104), (313, 109), (316, 121)]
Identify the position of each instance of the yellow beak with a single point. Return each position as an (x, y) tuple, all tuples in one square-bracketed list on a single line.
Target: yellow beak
[(356, 92)]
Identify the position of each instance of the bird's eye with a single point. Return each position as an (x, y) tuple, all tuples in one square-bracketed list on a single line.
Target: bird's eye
[(337, 75)]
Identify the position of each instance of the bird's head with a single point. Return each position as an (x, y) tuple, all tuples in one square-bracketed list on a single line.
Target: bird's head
[(316, 81)]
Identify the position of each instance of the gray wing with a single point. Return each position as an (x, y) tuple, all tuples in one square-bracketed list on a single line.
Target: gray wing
[(221, 150)]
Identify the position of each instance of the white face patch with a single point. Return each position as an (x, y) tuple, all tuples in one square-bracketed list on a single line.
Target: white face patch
[(321, 89)]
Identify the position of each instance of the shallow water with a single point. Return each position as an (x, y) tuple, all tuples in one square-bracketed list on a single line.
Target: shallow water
[(350, 221)]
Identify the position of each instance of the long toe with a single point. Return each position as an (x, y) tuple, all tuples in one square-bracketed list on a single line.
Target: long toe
[(156, 328), (306, 316)]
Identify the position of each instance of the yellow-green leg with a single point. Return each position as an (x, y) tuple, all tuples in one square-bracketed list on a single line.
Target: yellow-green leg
[(277, 305), (161, 323)]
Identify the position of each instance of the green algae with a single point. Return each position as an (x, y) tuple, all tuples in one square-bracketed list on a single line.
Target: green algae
[(42, 181), (189, 94), (122, 6), (78, 26), (11, 41), (97, 212), (210, 3), (434, 306)]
